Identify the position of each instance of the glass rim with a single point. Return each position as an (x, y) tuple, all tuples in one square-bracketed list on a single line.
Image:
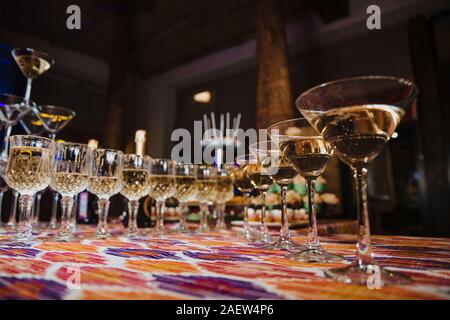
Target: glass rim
[(71, 143), (144, 156), (255, 147), (23, 101), (30, 136), (401, 80), (45, 55), (271, 127), (69, 111), (108, 149)]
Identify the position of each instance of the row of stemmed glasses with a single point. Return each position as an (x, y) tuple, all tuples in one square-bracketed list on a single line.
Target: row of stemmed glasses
[(353, 118)]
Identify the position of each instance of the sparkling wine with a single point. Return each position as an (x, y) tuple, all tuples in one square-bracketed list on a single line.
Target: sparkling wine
[(162, 187), (242, 182), (309, 155), (258, 176), (224, 189), (28, 169), (185, 188), (135, 183), (104, 187), (358, 133), (69, 184), (206, 189), (32, 66)]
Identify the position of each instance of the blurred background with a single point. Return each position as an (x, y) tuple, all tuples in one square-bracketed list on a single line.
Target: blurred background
[(139, 64)]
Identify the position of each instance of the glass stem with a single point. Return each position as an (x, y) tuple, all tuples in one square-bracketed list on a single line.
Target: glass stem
[(263, 212), (284, 231), (133, 208), (37, 207), (246, 225), (12, 215), (313, 239), (4, 153), (2, 193), (363, 246), (28, 90), (53, 219), (183, 214), (24, 225), (159, 216), (204, 216), (103, 208), (221, 223), (66, 206)]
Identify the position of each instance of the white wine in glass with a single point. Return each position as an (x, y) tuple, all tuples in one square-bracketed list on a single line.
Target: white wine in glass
[(28, 171)]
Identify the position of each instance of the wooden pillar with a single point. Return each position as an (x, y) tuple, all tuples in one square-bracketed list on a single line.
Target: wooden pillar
[(274, 100), (116, 100)]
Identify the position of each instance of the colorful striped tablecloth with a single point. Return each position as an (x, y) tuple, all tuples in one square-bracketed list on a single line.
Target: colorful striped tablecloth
[(210, 266)]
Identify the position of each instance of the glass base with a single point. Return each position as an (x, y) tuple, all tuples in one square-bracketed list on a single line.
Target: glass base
[(202, 229), (371, 275), (102, 233), (8, 225), (285, 243), (316, 255), (263, 236)]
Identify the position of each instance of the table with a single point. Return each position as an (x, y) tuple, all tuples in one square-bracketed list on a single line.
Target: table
[(211, 266)]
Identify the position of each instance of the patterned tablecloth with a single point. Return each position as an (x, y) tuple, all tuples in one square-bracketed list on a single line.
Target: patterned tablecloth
[(211, 266)]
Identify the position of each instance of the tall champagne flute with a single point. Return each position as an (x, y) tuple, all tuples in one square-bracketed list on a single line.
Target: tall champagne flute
[(135, 185), (186, 189), (162, 187), (225, 192), (245, 186), (281, 171), (28, 171), (206, 191), (310, 154), (105, 180), (70, 170), (357, 116), (262, 182)]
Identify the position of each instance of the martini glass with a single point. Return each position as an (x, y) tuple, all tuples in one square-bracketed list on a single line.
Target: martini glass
[(32, 63), (281, 171), (47, 120), (357, 116), (12, 110)]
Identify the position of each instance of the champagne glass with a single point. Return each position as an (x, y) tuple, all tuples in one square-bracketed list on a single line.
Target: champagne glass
[(105, 180), (12, 110), (310, 154), (357, 116), (32, 63), (245, 186), (225, 192), (261, 181), (135, 185), (281, 171), (47, 120), (70, 170), (162, 187), (186, 190), (206, 192), (28, 171)]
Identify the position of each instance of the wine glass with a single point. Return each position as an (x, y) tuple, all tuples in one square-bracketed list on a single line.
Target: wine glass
[(12, 110), (105, 180), (245, 186), (162, 187), (47, 120), (310, 154), (70, 169), (261, 181), (225, 192), (206, 192), (135, 185), (186, 190), (28, 171), (32, 63), (281, 171), (357, 116)]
